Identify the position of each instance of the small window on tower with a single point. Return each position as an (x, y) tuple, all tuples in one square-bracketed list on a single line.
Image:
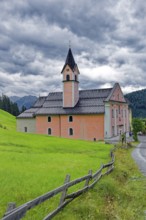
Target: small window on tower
[(75, 77), (67, 77), (70, 118)]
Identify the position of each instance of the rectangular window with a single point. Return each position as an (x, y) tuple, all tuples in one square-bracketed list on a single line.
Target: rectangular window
[(119, 109), (122, 112), (49, 118), (112, 113), (113, 130), (67, 77), (70, 131), (70, 118), (49, 131)]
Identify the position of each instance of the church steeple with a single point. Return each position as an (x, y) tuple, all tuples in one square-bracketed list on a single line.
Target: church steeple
[(70, 81), (69, 61)]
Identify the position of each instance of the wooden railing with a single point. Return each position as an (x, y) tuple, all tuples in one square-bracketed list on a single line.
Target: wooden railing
[(90, 180)]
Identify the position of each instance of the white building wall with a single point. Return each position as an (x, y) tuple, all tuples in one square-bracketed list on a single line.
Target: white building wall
[(28, 124), (115, 118), (107, 121)]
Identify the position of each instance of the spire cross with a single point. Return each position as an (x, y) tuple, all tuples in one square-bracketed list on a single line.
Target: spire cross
[(69, 43)]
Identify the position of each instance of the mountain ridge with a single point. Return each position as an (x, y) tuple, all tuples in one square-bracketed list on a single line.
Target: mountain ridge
[(25, 101)]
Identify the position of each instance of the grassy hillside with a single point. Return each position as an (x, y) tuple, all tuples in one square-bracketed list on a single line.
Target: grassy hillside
[(7, 121), (31, 165)]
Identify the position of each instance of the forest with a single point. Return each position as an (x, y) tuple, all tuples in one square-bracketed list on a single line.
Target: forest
[(137, 101), (8, 106)]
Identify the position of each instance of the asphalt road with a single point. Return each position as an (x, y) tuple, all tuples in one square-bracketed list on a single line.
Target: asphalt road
[(139, 154)]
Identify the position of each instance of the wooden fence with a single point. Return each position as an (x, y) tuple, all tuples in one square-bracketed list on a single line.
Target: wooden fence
[(90, 180)]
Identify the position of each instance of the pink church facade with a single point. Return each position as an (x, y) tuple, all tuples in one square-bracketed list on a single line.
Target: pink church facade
[(95, 114), (87, 127)]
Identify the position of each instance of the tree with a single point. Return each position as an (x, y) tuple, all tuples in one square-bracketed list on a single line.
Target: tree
[(138, 126), (23, 109), (14, 109), (8, 106)]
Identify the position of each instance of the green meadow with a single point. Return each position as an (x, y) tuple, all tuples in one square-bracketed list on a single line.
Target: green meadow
[(31, 165)]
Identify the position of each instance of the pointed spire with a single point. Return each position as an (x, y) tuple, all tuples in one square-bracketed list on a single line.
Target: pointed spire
[(69, 61)]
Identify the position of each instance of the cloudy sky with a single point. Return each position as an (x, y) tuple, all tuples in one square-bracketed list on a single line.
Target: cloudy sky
[(108, 40)]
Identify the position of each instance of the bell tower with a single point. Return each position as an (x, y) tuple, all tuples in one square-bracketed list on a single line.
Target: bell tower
[(70, 81)]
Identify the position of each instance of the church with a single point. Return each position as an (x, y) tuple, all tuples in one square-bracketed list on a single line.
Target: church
[(95, 114)]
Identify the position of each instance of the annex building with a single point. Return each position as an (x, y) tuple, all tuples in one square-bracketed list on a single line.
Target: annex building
[(94, 114)]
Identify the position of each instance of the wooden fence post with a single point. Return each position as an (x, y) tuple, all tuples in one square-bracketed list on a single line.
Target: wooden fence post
[(10, 207), (87, 181), (63, 195), (111, 153)]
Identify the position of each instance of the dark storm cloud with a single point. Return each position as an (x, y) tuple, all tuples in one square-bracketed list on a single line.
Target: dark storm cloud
[(84, 18), (107, 38)]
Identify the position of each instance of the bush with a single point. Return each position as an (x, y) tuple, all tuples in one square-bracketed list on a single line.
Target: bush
[(135, 137)]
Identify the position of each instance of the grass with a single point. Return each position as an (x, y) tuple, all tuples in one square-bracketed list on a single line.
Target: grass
[(120, 195), (7, 121), (31, 165)]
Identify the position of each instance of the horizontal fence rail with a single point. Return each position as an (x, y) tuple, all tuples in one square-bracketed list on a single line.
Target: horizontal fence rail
[(90, 180)]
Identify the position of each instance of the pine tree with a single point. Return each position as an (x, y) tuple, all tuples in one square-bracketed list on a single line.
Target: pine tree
[(8, 106), (15, 110), (23, 109)]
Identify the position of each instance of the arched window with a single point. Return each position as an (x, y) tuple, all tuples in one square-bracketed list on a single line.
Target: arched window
[(67, 77), (75, 77), (70, 118), (49, 131), (70, 131), (49, 118)]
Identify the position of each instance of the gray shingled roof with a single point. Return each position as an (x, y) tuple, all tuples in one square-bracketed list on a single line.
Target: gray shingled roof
[(90, 102), (39, 102), (68, 111), (29, 113)]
